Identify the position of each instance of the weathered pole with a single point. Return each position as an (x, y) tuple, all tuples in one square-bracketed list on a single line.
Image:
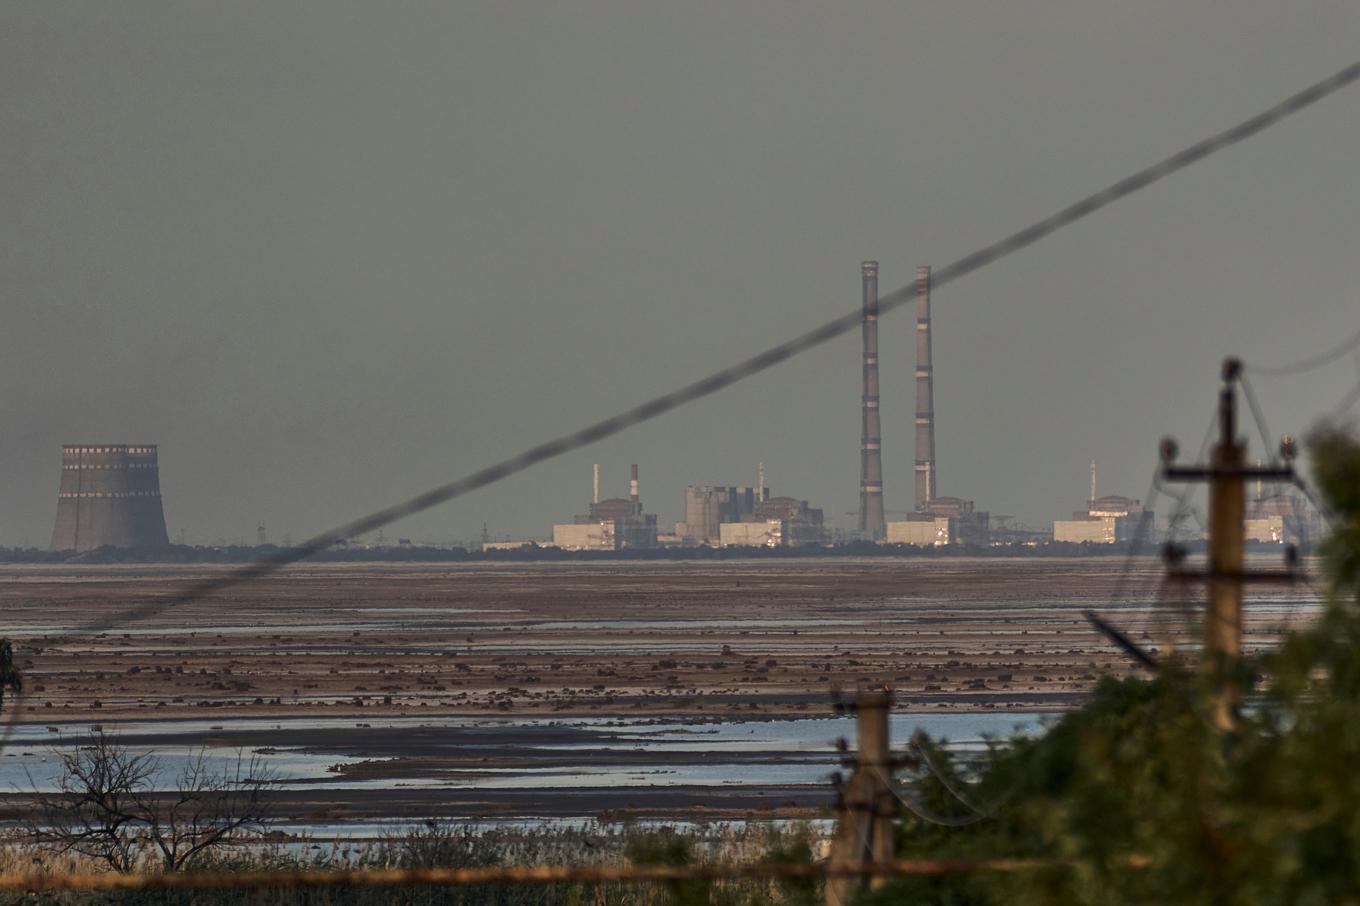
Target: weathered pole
[(864, 831), (9, 674), (1226, 475), (1227, 510)]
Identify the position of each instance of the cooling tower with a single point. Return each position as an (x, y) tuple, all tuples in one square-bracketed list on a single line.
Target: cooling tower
[(871, 520), (110, 496)]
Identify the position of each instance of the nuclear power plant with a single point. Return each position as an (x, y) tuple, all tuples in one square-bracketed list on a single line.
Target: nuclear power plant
[(615, 524), (110, 496), (717, 516)]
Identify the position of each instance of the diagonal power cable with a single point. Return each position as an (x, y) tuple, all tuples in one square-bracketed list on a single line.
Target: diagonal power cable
[(726, 377), (771, 357), (1312, 362)]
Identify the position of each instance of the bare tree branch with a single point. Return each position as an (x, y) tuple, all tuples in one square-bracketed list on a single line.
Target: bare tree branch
[(106, 807)]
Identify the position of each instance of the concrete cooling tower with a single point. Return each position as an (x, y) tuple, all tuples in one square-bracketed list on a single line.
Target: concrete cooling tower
[(110, 496)]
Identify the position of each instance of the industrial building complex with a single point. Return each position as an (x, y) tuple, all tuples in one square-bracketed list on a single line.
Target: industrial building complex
[(748, 516), (110, 496), (740, 516), (609, 525), (714, 517), (1106, 520), (110, 493)]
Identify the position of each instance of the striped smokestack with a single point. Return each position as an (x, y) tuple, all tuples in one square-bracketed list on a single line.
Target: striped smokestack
[(926, 487), (633, 485), (871, 520)]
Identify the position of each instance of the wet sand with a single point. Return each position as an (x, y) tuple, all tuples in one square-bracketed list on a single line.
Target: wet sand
[(680, 641), (564, 639)]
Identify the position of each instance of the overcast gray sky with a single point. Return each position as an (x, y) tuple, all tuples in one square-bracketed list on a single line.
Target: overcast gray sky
[(328, 254)]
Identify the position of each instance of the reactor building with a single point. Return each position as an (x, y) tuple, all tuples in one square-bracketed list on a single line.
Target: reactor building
[(614, 524), (717, 516), (110, 496), (1282, 518), (1107, 519)]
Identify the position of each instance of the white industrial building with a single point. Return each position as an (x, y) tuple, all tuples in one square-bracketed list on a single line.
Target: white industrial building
[(928, 531), (590, 536), (1106, 520), (766, 533)]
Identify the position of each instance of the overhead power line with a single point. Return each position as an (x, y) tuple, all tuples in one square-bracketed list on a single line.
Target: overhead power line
[(1311, 363), (763, 361)]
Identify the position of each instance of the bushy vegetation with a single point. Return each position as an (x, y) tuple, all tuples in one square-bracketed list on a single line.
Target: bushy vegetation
[(451, 845), (1135, 798)]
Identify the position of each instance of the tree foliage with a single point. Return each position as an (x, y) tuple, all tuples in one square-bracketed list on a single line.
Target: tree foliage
[(1135, 798)]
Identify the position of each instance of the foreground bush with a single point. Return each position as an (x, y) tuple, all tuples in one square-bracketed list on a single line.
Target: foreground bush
[(1137, 800)]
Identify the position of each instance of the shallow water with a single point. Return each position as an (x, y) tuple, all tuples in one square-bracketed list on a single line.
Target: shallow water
[(578, 757)]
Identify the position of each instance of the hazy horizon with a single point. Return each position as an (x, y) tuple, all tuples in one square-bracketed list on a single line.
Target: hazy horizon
[(329, 255)]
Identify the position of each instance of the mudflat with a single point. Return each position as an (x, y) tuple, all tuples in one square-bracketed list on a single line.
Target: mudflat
[(461, 689), (699, 639)]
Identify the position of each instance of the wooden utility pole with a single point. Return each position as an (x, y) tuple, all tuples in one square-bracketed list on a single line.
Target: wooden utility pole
[(864, 827), (1227, 557), (9, 674), (1226, 475)]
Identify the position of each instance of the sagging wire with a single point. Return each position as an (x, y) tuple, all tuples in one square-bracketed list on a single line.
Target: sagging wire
[(910, 799), (1313, 362), (944, 781), (724, 378)]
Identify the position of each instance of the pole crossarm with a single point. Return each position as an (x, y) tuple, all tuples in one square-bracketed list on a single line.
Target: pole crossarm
[(1226, 572), (1209, 473)]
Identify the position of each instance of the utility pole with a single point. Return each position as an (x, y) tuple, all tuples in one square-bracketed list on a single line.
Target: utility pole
[(1226, 476), (864, 826), (9, 674)]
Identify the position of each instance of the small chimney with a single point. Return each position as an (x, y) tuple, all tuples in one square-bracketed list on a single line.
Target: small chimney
[(633, 485), (595, 496)]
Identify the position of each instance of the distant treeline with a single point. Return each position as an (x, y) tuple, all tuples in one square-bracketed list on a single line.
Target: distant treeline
[(180, 553)]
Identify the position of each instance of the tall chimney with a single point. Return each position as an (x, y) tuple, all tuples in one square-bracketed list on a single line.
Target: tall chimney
[(926, 486), (1092, 498), (595, 496), (760, 482), (871, 442), (633, 485)]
